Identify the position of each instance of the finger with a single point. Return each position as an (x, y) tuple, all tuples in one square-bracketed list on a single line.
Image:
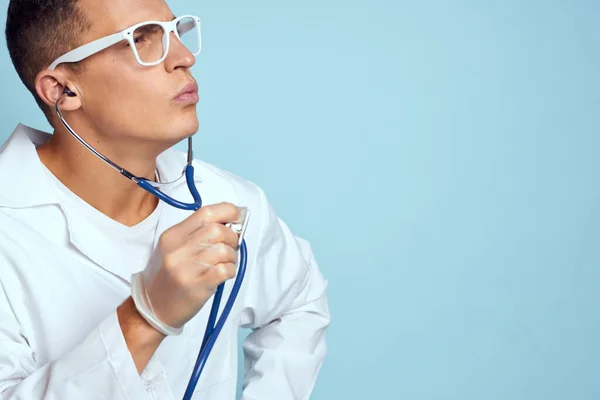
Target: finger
[(214, 213), (214, 254), (212, 234), (172, 261), (218, 274)]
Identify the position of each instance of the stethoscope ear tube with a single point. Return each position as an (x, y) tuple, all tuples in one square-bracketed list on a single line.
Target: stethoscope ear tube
[(212, 330)]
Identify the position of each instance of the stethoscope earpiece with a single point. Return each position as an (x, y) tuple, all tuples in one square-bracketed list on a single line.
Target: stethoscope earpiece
[(68, 92)]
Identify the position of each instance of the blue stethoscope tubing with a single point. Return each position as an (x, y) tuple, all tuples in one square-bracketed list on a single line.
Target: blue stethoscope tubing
[(213, 327), (212, 330)]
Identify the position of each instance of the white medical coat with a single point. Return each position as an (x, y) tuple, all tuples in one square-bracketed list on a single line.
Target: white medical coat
[(60, 287)]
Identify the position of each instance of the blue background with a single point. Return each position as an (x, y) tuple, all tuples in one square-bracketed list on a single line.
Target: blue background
[(442, 158)]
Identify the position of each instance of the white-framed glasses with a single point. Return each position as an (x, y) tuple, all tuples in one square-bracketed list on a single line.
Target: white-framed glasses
[(149, 41)]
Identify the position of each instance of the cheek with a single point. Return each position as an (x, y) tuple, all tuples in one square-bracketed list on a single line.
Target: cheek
[(124, 99), (126, 103)]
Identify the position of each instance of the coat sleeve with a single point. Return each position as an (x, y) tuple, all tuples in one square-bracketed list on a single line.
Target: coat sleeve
[(100, 367), (287, 309)]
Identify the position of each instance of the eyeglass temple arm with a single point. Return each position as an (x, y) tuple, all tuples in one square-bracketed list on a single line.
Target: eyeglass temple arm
[(87, 50)]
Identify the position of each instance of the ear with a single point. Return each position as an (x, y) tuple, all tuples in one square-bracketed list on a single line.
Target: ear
[(50, 85)]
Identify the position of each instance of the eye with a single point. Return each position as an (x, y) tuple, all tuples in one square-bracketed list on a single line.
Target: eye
[(139, 39)]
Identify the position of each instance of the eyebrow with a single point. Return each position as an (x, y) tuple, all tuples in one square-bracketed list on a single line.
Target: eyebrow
[(149, 29), (172, 18)]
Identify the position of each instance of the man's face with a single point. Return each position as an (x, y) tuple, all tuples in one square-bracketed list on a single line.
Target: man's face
[(124, 101)]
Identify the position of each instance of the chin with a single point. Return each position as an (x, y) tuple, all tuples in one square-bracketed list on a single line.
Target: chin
[(190, 120), (182, 129)]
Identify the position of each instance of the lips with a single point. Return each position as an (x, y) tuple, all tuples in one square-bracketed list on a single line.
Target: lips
[(189, 94)]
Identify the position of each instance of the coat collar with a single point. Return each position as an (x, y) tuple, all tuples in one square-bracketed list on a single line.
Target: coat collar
[(23, 182)]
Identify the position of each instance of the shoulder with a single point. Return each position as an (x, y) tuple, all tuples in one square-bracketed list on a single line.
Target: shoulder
[(219, 175)]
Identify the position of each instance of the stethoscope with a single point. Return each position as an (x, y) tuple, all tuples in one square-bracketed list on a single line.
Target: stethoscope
[(212, 329)]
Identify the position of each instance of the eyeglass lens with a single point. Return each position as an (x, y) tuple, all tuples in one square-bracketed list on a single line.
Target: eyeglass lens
[(150, 39)]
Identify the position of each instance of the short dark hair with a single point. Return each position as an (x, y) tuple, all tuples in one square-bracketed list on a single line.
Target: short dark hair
[(38, 32)]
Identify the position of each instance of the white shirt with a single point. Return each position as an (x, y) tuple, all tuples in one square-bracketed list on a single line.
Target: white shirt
[(133, 244), (61, 281)]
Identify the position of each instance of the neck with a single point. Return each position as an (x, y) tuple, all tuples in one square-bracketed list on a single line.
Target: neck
[(97, 183)]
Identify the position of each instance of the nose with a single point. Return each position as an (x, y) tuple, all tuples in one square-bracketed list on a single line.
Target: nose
[(178, 56)]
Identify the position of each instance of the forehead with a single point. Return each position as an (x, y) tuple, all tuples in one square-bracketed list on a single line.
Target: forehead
[(110, 16)]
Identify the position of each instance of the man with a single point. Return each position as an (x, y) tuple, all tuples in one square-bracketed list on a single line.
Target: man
[(73, 231)]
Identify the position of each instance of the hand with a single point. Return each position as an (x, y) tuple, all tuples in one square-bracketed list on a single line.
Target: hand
[(191, 260)]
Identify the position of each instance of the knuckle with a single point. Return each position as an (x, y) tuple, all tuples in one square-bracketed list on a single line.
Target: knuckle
[(232, 211), (222, 251), (233, 255), (198, 217), (170, 260), (216, 233), (206, 213), (228, 270), (165, 238), (223, 271)]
